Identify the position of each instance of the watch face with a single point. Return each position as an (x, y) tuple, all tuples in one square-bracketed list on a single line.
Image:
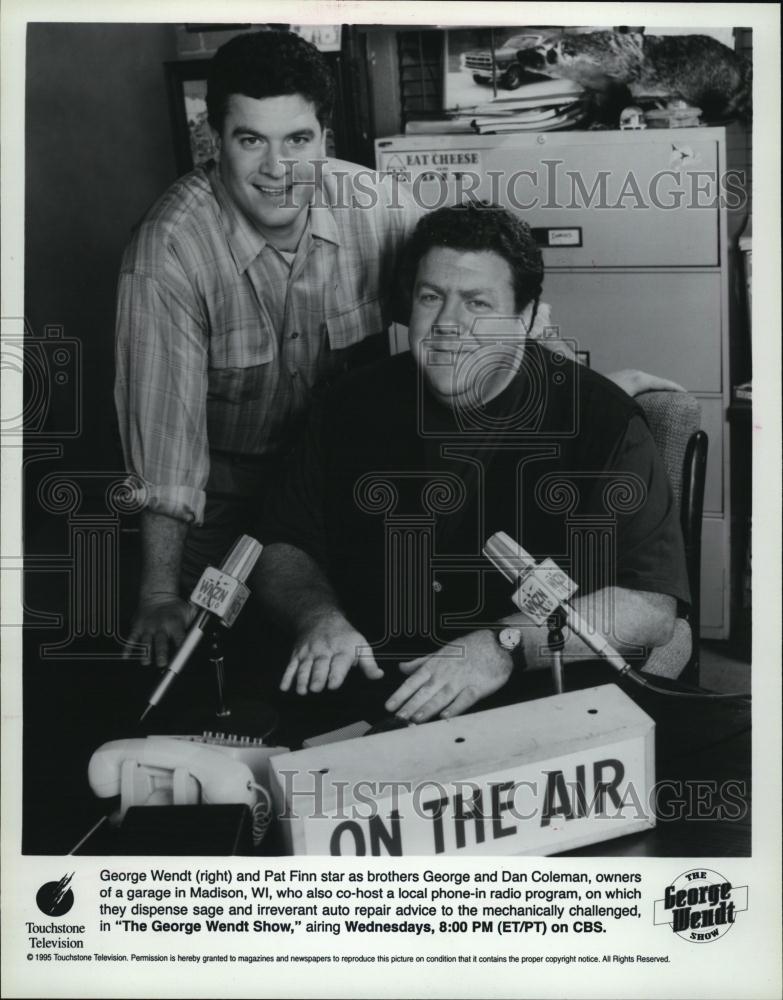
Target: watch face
[(509, 638)]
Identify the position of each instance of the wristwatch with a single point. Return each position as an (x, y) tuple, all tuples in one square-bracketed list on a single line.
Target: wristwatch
[(510, 638)]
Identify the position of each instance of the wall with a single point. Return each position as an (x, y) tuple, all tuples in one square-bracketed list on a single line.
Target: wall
[(99, 151), (193, 44)]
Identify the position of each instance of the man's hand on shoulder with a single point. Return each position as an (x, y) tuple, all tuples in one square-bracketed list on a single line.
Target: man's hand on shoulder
[(327, 646), (635, 382), (450, 681), (630, 380), (160, 623)]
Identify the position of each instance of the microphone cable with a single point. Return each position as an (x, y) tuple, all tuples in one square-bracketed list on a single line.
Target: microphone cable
[(686, 691)]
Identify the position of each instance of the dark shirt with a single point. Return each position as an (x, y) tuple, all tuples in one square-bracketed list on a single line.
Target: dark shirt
[(394, 495)]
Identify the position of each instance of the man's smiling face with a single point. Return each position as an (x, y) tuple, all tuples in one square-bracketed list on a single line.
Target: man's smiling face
[(465, 332), (266, 153)]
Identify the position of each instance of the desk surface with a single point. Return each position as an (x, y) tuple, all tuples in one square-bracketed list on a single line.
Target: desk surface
[(703, 750)]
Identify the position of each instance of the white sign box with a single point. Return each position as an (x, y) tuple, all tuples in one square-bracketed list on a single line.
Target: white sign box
[(535, 778)]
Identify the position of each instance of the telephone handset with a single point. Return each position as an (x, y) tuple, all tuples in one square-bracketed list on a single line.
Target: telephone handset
[(186, 770)]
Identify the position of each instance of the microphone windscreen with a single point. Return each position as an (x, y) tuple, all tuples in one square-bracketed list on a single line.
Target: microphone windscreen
[(242, 558), (511, 559)]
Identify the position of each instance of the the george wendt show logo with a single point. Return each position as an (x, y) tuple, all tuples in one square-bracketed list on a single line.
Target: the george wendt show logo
[(701, 905)]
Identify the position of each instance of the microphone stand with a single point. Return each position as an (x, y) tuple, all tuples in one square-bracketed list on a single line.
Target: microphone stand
[(216, 659), (556, 642), (221, 595)]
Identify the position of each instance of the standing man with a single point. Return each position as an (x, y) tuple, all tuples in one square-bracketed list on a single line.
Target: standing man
[(252, 280)]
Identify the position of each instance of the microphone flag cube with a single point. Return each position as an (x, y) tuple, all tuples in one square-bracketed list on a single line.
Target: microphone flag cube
[(542, 590), (221, 594)]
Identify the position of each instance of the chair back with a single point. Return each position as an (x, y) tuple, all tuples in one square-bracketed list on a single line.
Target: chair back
[(675, 419)]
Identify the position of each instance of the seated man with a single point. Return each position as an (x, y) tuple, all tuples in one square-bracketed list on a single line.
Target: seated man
[(409, 466)]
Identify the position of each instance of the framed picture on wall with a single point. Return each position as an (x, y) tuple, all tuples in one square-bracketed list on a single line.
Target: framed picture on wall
[(326, 37), (187, 86), (481, 64)]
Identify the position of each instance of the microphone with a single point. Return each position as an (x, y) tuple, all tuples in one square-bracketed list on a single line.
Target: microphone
[(542, 589), (221, 595)]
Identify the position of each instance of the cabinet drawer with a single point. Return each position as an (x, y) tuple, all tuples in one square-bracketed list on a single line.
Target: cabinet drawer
[(652, 204), (667, 323), (713, 422), (618, 200), (714, 579)]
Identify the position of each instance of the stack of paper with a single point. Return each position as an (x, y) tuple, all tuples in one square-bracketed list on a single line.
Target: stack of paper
[(537, 107)]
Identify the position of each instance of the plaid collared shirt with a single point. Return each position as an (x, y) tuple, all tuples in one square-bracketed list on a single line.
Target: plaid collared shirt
[(221, 339)]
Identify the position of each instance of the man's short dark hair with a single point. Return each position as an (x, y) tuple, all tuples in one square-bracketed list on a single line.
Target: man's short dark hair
[(268, 64), (477, 227)]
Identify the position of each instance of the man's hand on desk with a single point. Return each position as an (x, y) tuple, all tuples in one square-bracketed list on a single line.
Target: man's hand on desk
[(448, 682), (325, 650), (160, 624)]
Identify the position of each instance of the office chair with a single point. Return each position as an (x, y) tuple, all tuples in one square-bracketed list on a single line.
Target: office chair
[(674, 419)]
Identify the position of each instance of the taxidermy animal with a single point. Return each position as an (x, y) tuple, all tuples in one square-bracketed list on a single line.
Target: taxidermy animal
[(612, 64)]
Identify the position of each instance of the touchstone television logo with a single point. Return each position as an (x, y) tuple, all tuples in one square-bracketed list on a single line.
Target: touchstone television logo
[(700, 905), (54, 899)]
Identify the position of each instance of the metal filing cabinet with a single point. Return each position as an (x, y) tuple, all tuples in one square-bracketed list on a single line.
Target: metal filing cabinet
[(635, 228)]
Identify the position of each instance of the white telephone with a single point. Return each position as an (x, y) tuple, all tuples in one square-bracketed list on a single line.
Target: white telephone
[(211, 769)]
